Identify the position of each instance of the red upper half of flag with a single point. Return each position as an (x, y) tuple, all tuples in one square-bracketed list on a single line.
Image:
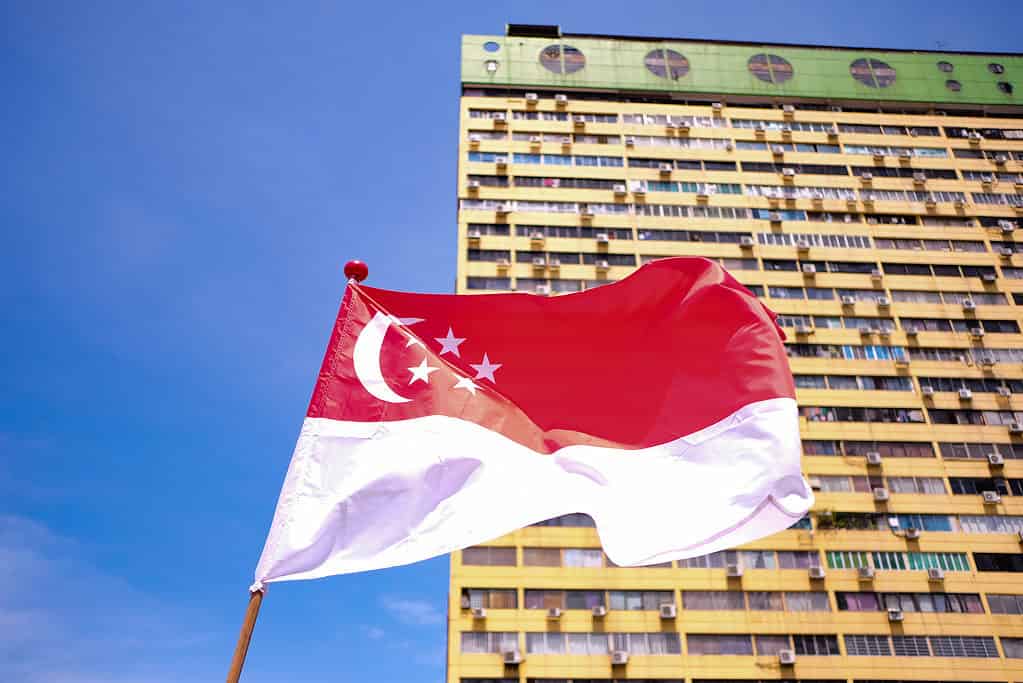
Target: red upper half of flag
[(675, 347)]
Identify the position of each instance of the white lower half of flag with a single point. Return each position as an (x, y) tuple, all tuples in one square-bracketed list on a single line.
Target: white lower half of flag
[(369, 495)]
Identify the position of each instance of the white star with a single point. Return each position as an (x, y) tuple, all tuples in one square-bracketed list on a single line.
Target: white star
[(422, 372), (450, 343), (466, 383), (485, 369)]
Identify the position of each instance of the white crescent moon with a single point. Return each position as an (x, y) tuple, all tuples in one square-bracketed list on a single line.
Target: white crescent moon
[(367, 359)]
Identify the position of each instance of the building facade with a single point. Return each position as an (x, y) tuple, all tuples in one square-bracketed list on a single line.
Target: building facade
[(873, 199)]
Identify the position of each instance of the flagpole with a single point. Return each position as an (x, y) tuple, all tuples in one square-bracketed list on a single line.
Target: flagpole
[(248, 624), (355, 271)]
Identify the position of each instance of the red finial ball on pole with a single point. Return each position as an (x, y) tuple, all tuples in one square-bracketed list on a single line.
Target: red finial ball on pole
[(356, 270)]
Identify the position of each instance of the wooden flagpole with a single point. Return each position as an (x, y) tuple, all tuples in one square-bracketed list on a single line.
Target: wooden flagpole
[(242, 648), (355, 271)]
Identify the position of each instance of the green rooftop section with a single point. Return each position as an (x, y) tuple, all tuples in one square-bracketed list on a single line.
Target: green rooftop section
[(724, 68)]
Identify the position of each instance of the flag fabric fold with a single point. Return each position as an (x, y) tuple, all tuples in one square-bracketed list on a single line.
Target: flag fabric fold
[(661, 405)]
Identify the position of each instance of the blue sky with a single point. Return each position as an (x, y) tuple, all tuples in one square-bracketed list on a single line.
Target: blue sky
[(183, 182)]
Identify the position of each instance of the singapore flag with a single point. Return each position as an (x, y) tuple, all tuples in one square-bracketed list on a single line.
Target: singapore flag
[(661, 405)]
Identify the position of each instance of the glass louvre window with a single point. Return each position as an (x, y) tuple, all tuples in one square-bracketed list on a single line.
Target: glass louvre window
[(757, 559), (491, 598), (587, 644), (847, 559), (580, 557), (857, 602), (719, 644), (666, 64), (963, 646), (867, 646), (489, 556), (910, 646), (640, 600), (798, 559), (546, 643)]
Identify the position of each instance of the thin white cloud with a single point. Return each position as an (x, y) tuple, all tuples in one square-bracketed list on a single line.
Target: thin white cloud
[(411, 611), (63, 620)]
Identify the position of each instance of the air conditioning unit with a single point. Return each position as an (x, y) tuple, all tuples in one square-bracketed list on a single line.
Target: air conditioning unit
[(878, 156), (532, 98), (603, 265), (912, 533), (474, 138), (599, 611), (866, 176), (774, 217), (786, 657), (543, 289), (630, 141), (585, 211), (729, 145), (760, 129), (1001, 159), (815, 483), (1005, 251), (987, 361), (848, 300), (977, 332), (539, 262), (816, 573), (777, 150), (975, 135), (788, 173), (912, 331), (965, 394), (905, 154), (995, 459), (665, 167), (501, 161), (717, 107), (873, 458), (809, 269), (990, 497), (479, 613), (746, 241), (511, 657), (894, 614), (930, 203), (702, 195), (502, 209), (883, 301), (935, 574), (535, 139), (474, 233), (554, 613), (620, 190), (553, 263), (1007, 226), (498, 117), (619, 657), (969, 305), (866, 330), (733, 570), (1015, 428), (865, 573), (902, 362), (682, 127), (927, 390), (503, 263), (802, 245), (578, 120), (668, 611), (788, 109), (473, 184), (561, 100), (602, 238), (786, 130), (876, 274), (881, 495), (920, 178), (1004, 392)]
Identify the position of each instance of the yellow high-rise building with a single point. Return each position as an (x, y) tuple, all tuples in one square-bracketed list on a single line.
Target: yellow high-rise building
[(873, 199)]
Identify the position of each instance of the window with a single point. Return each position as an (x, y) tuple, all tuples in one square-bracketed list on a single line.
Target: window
[(562, 59), (666, 64), (546, 643), (1005, 87), (872, 73), (647, 643), (999, 562), (719, 644), (798, 559), (807, 601), (1005, 604), (641, 600), (770, 68), (570, 599), (477, 642), (815, 645), (1013, 647), (910, 646), (963, 646), (489, 283), (541, 557), (489, 556), (996, 68), (765, 601), (945, 67), (772, 645), (953, 85), (584, 557), (867, 646), (492, 598), (713, 600)]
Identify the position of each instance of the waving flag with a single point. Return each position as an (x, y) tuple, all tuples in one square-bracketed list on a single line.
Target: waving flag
[(661, 405)]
